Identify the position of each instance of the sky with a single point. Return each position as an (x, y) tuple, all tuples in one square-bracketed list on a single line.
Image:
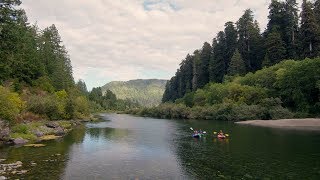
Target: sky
[(119, 40)]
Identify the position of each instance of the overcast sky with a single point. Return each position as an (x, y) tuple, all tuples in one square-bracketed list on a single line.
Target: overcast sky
[(128, 39)]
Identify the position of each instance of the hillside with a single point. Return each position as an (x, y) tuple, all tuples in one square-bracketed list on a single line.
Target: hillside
[(146, 92)]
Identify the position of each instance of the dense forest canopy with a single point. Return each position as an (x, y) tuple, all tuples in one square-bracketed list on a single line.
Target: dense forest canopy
[(241, 47), (36, 79)]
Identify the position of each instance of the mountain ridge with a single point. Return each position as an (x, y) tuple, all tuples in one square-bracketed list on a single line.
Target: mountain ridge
[(146, 92)]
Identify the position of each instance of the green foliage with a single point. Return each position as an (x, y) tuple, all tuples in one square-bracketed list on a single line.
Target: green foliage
[(298, 86), (237, 65), (44, 83), (10, 104), (20, 128), (271, 93), (47, 105)]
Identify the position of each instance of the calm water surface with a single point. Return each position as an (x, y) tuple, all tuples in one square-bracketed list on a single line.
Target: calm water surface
[(127, 147)]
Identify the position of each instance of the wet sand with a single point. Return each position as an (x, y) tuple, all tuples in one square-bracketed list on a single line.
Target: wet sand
[(299, 124)]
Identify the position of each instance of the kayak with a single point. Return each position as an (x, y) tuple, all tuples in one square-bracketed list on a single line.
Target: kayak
[(221, 136), (196, 135)]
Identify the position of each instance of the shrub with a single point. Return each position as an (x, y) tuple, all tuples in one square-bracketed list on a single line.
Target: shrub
[(10, 104), (20, 128), (48, 105)]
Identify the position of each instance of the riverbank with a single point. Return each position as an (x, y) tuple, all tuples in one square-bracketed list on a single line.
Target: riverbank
[(298, 124), (35, 132)]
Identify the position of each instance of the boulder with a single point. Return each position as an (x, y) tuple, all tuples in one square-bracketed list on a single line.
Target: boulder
[(52, 125), (38, 133), (20, 141), (59, 131)]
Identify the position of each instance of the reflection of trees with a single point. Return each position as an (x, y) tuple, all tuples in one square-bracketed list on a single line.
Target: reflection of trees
[(50, 160), (107, 133)]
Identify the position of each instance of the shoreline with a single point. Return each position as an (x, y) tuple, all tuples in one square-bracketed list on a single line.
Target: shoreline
[(310, 124), (28, 133)]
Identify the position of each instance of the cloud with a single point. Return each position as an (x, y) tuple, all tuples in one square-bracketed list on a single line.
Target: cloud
[(127, 39)]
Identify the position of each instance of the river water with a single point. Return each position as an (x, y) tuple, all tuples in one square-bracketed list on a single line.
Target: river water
[(127, 147)]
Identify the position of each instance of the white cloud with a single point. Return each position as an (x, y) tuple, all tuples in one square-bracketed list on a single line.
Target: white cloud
[(126, 39)]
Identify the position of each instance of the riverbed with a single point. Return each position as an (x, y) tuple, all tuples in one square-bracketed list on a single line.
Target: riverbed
[(128, 147)]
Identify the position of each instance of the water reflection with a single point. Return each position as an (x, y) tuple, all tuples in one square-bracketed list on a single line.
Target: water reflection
[(129, 147), (50, 160)]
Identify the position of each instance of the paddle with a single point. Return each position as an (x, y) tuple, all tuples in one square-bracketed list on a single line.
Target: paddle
[(191, 128)]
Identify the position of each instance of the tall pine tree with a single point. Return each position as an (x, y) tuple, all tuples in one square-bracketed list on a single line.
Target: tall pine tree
[(309, 31)]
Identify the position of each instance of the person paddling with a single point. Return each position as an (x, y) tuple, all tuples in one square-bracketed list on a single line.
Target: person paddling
[(221, 133)]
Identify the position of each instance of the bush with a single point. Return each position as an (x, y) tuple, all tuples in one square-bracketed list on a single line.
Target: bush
[(20, 128), (10, 104), (48, 105)]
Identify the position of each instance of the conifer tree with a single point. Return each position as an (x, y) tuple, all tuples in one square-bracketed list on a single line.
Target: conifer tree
[(237, 65), (309, 31), (275, 47)]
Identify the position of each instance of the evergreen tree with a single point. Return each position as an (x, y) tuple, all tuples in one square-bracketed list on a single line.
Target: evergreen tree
[(205, 56), (275, 47), (196, 69), (309, 32), (56, 59), (18, 46), (81, 85), (218, 64), (291, 28), (237, 65), (231, 41), (250, 41), (317, 11)]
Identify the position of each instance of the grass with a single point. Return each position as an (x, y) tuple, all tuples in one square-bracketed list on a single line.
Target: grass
[(65, 124), (29, 136)]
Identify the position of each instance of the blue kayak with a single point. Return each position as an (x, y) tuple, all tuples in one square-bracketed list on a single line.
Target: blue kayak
[(196, 135)]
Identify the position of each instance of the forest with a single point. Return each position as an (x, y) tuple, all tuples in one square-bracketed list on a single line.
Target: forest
[(36, 78), (244, 71)]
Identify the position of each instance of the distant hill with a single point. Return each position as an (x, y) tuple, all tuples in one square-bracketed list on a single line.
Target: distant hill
[(146, 92)]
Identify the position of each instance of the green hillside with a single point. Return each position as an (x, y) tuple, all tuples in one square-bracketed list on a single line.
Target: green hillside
[(145, 92)]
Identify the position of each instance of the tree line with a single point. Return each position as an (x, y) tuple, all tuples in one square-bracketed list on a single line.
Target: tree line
[(241, 47), (285, 90), (36, 78)]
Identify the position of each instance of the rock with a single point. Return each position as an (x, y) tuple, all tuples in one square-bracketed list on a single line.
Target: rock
[(4, 131), (52, 125), (2, 178), (59, 131), (38, 133), (1, 160), (20, 141)]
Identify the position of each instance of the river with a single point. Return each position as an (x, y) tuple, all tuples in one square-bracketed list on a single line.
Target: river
[(128, 147)]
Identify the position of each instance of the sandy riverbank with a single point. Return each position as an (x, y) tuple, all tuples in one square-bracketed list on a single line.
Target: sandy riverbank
[(299, 124)]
